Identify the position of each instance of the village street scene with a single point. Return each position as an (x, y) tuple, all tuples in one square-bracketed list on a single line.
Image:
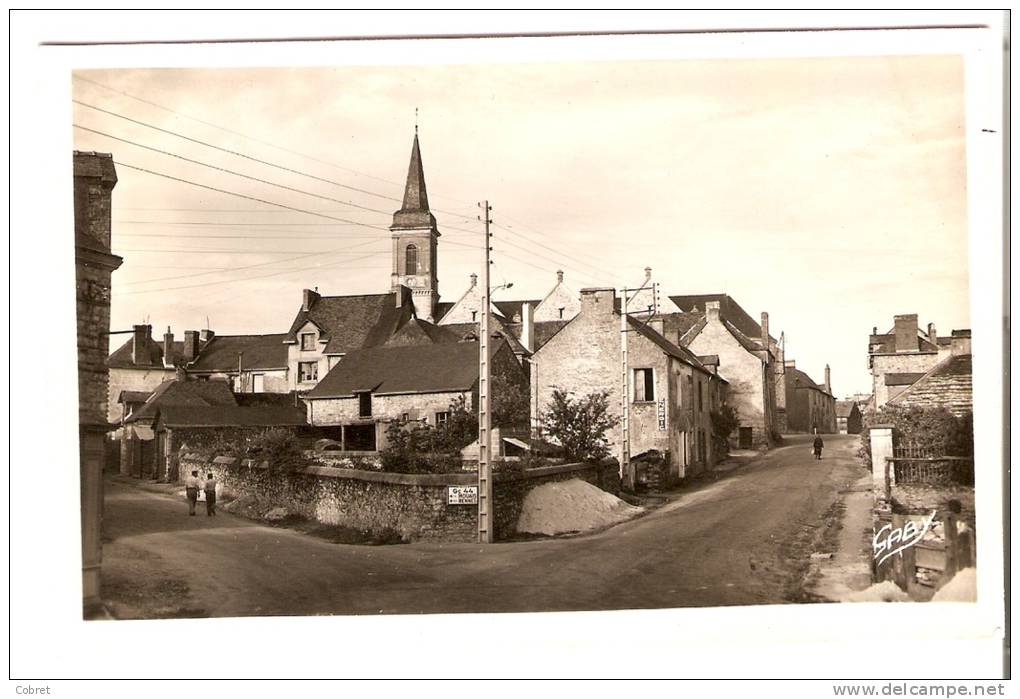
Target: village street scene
[(363, 364)]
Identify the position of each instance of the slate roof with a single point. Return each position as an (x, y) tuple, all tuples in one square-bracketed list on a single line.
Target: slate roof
[(509, 309), (669, 348), (230, 416), (133, 396), (151, 356), (435, 368), (259, 352), (886, 343), (193, 393), (350, 323), (420, 332), (902, 379), (728, 310), (949, 384), (845, 407)]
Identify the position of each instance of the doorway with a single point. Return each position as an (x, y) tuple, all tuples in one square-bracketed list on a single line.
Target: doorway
[(746, 438)]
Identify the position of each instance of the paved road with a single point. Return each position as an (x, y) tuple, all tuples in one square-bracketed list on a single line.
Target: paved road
[(744, 539)]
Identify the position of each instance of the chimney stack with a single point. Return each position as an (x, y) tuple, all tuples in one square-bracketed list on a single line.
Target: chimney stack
[(933, 337), (206, 335), (168, 348), (765, 330), (906, 332), (598, 301), (790, 363), (190, 346), (828, 379), (527, 327), (657, 324), (712, 310), (308, 299), (139, 342)]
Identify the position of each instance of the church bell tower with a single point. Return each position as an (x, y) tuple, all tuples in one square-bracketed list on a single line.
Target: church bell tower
[(415, 242)]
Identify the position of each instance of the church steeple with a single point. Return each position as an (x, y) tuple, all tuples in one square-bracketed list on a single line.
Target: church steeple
[(414, 211), (415, 242)]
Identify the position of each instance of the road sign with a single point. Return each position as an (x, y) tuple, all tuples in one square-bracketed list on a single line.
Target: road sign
[(462, 495)]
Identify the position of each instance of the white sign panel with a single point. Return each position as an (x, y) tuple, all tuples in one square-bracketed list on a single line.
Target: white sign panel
[(462, 495)]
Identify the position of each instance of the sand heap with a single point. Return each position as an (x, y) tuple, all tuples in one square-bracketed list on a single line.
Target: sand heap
[(571, 506)]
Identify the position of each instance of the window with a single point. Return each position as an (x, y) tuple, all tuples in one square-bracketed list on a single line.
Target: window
[(365, 404), (307, 342), (406, 417), (411, 260), (308, 371), (258, 383), (561, 313), (644, 386), (690, 392), (442, 418), (474, 316), (701, 396)]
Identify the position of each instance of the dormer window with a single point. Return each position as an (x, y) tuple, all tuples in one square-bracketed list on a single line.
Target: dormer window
[(561, 313), (411, 259), (474, 316), (307, 342)]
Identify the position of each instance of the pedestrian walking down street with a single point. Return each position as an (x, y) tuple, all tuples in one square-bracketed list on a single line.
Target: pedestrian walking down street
[(818, 444), (191, 488), (210, 496)]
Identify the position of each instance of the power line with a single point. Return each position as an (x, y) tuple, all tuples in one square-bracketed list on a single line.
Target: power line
[(234, 172), (564, 255), (244, 155)]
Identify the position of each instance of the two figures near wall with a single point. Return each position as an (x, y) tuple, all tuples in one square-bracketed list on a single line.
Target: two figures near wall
[(208, 487)]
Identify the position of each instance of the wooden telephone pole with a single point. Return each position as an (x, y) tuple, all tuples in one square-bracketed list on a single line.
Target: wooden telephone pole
[(485, 503)]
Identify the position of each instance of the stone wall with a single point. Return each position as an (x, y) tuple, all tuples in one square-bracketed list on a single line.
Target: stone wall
[(415, 505)]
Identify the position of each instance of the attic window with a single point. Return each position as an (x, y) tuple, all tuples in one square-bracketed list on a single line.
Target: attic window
[(365, 404), (474, 316), (307, 342), (561, 313)]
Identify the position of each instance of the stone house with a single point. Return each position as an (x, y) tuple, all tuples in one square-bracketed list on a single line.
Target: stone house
[(140, 365), (848, 417), (671, 393), (750, 359), (810, 406), (949, 384), (376, 386), (139, 452), (900, 357), (94, 179), (249, 363), (177, 425)]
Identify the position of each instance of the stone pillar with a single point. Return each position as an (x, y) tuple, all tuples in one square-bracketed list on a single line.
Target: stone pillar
[(881, 437)]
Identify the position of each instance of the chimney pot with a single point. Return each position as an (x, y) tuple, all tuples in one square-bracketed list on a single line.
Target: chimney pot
[(559, 275), (648, 274), (168, 348), (206, 335), (474, 280), (933, 336)]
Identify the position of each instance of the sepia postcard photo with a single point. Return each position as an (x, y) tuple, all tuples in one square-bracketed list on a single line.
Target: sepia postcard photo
[(703, 325)]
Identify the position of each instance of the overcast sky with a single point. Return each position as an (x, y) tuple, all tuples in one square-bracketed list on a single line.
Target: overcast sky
[(829, 192)]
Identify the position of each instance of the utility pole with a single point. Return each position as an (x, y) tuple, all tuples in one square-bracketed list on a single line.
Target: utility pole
[(485, 503), (626, 475)]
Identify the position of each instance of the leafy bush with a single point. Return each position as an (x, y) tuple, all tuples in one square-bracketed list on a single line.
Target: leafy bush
[(937, 428), (724, 421), (279, 447), (580, 425), (416, 447)]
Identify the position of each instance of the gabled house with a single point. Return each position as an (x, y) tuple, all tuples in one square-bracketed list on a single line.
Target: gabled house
[(750, 359), (376, 386), (810, 406), (848, 417), (949, 384), (141, 364), (671, 393), (140, 455), (249, 363), (900, 357)]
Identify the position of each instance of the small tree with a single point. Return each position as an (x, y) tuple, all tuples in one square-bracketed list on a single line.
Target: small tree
[(511, 402), (580, 425)]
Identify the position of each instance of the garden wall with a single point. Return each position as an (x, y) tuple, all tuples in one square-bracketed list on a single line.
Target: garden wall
[(415, 505)]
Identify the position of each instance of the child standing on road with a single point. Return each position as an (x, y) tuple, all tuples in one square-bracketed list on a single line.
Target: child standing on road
[(818, 444), (210, 496)]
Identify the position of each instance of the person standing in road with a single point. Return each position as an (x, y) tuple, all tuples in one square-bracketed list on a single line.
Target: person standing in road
[(191, 488), (818, 444), (210, 496)]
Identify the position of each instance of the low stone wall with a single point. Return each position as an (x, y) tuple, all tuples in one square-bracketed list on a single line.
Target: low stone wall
[(415, 505)]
